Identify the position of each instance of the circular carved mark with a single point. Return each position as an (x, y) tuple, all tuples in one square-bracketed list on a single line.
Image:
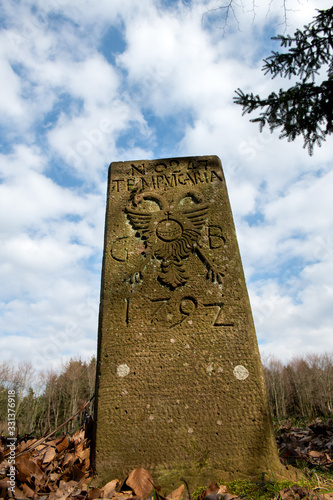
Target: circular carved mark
[(187, 306), (169, 230)]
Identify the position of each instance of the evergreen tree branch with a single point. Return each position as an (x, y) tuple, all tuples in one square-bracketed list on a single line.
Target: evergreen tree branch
[(305, 108)]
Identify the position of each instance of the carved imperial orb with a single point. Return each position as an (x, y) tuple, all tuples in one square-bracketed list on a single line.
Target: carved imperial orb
[(170, 231)]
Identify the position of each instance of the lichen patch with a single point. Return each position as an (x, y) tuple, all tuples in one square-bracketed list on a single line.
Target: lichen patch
[(240, 372), (123, 370)]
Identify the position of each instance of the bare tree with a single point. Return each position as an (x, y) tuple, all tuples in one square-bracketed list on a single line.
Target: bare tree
[(227, 14)]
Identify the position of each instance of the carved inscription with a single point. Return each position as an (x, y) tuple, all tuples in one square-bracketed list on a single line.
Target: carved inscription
[(215, 238), (119, 249), (127, 302), (171, 314), (161, 302), (218, 321), (171, 233), (162, 178)]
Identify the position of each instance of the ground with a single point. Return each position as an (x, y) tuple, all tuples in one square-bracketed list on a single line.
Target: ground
[(58, 468)]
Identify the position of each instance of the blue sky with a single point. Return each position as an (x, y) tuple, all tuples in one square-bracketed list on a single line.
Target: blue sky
[(84, 84)]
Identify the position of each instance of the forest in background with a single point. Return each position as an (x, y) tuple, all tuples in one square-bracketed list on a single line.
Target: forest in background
[(44, 400), (301, 389)]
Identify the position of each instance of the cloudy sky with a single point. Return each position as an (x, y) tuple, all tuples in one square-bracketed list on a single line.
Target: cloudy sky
[(84, 83)]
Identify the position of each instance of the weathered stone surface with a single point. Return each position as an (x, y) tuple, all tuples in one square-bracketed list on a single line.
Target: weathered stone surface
[(180, 386)]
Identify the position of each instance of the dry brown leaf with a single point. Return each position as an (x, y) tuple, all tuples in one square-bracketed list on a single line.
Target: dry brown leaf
[(28, 491), (78, 449), (40, 447), (228, 496), (316, 454), (63, 444), (38, 460), (52, 496), (19, 495), (77, 473), (54, 476), (28, 468), (95, 493), (84, 454), (25, 445), (68, 485), (49, 455), (111, 488), (68, 459), (79, 436), (177, 494), (50, 468), (285, 493), (86, 465), (211, 488), (53, 442), (295, 492), (76, 493), (141, 482), (4, 484)]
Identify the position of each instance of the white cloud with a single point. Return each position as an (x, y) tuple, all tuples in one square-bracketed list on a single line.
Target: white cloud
[(67, 111), (10, 103)]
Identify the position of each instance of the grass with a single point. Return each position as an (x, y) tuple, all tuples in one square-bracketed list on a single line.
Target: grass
[(262, 489), (315, 479), (318, 481)]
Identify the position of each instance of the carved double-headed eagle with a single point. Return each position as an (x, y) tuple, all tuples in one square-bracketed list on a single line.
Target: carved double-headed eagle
[(171, 233)]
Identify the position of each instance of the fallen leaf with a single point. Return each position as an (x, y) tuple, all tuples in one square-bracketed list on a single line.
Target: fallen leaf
[(40, 447), (68, 486), (68, 459), (95, 493), (54, 476), (25, 445), (84, 454), (79, 436), (78, 449), (28, 468), (4, 484), (316, 454), (74, 473), (111, 488), (211, 488), (295, 492), (53, 442), (177, 494), (49, 455), (228, 496), (19, 495), (63, 444), (141, 482), (28, 491)]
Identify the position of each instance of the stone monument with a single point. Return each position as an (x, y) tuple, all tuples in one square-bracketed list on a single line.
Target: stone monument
[(180, 388)]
